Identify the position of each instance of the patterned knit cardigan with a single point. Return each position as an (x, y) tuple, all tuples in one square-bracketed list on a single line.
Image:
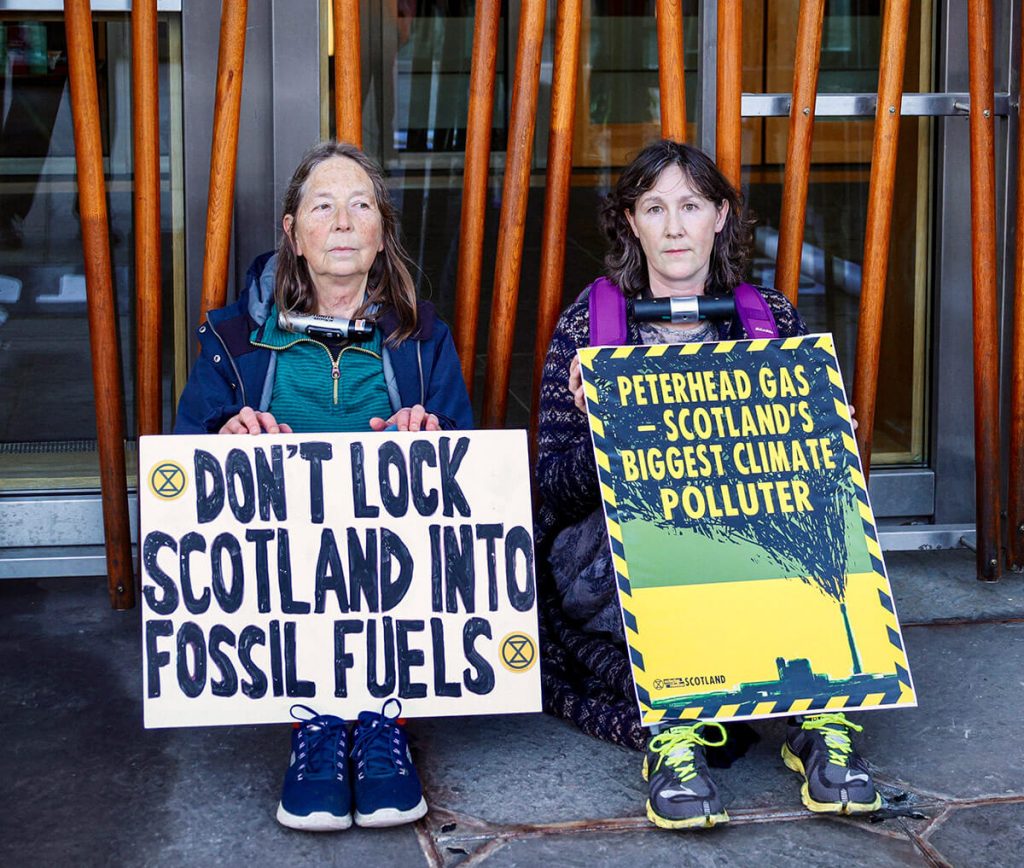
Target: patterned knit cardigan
[(586, 677)]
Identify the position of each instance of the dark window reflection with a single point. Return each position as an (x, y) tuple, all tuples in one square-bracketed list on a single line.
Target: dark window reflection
[(47, 416)]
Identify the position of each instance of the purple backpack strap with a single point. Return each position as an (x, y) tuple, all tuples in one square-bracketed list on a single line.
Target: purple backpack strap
[(753, 313), (607, 308)]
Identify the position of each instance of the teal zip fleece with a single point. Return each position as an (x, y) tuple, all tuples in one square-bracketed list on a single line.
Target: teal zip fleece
[(319, 388)]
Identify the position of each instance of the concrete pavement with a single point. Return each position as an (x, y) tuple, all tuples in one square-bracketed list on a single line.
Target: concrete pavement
[(84, 784)]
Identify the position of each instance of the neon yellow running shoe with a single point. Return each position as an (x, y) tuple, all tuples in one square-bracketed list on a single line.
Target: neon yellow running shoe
[(836, 778), (682, 793)]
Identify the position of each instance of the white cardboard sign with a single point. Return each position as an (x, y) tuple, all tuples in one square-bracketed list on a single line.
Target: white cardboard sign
[(336, 570)]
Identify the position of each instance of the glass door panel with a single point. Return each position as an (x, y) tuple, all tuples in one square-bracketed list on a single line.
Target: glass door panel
[(416, 76), (416, 70), (618, 103), (837, 200), (831, 266), (47, 417)]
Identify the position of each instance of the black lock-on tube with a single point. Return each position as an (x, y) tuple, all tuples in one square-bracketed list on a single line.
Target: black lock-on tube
[(683, 309)]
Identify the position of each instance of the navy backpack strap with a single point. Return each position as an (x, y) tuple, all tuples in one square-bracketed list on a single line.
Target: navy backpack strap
[(753, 313), (607, 308)]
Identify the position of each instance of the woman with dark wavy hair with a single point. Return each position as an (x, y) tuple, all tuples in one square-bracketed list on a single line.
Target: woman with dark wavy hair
[(675, 228), (626, 261), (286, 357)]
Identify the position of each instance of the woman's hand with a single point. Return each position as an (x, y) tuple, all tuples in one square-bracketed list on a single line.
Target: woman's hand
[(853, 420), (249, 421), (576, 384), (414, 418)]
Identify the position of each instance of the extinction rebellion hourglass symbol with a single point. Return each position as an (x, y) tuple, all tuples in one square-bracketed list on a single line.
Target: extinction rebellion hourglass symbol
[(167, 480)]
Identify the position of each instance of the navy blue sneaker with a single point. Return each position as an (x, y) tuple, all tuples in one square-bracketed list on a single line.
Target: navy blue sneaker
[(386, 787), (316, 796)]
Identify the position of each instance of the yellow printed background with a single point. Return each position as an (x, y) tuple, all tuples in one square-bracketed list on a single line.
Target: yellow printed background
[(767, 619)]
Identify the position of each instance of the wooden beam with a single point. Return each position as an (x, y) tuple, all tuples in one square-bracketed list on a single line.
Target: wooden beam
[(798, 147), (513, 211), (102, 305), (474, 188), (671, 84), (985, 284), (1015, 503), (728, 110), (556, 201), (223, 154), (146, 191), (348, 82), (879, 220)]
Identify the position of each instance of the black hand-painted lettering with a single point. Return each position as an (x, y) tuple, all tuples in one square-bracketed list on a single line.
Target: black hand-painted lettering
[(261, 537), (329, 574), (422, 452), (191, 542), (482, 681), (168, 601), (491, 533), (343, 661), (229, 599), (155, 659), (209, 494), (276, 673), (408, 658), (394, 496), (316, 453), (360, 507), (270, 484), (256, 687), (294, 686), (518, 541), (380, 689), (442, 686), (459, 569), (289, 605), (191, 638), (436, 593), (393, 550), (227, 684), (363, 570), (451, 494), (239, 473)]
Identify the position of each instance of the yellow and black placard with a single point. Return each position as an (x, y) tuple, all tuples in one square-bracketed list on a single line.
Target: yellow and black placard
[(750, 574)]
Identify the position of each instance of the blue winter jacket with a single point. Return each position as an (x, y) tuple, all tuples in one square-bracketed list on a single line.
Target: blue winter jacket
[(231, 373)]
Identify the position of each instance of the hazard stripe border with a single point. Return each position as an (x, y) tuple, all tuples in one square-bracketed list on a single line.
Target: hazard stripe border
[(606, 459)]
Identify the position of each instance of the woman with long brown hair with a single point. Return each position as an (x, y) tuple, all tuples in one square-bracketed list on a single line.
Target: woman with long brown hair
[(328, 335), (265, 366)]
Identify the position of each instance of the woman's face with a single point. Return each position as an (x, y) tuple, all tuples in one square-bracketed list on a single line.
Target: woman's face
[(337, 226), (676, 227)]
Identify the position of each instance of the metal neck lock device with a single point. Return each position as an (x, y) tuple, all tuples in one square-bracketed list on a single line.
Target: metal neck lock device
[(330, 328), (607, 308), (745, 304), (686, 309)]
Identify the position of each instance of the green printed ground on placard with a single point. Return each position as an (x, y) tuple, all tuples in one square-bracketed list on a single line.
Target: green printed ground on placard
[(660, 558)]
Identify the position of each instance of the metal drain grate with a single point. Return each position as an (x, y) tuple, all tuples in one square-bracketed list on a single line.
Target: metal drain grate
[(50, 447)]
